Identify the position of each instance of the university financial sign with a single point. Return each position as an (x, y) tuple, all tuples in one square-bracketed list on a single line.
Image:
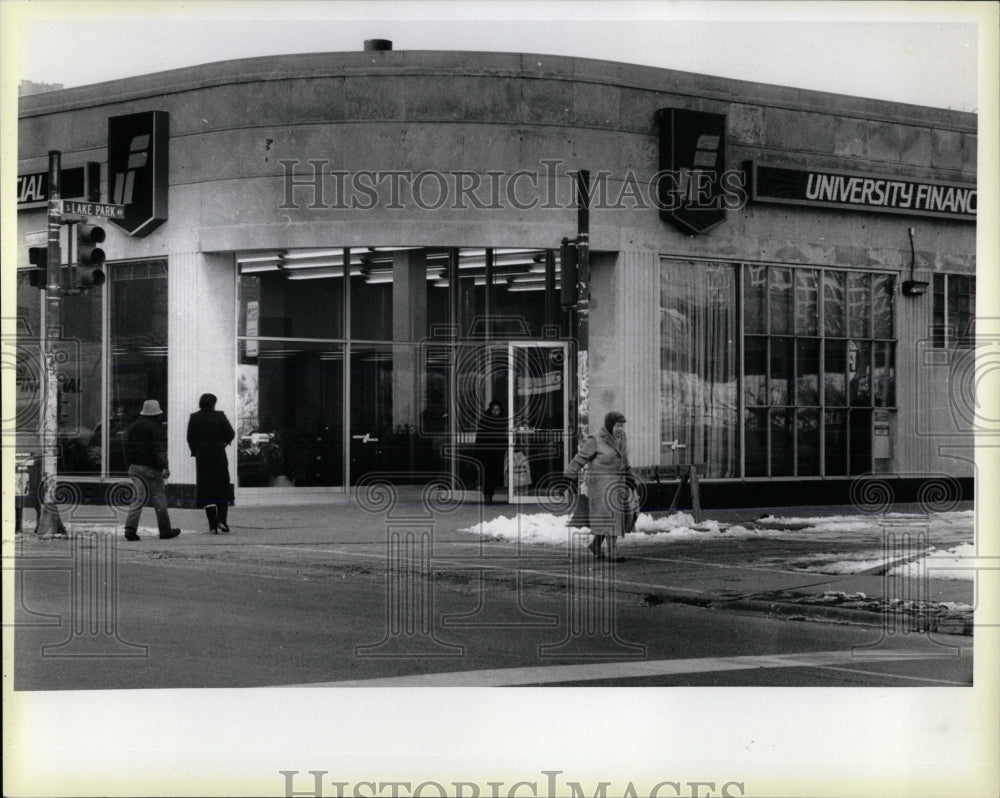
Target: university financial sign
[(78, 182), (861, 192), (138, 170)]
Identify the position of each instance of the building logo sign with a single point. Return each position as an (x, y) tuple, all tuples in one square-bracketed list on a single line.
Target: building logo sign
[(861, 192), (692, 190), (137, 169)]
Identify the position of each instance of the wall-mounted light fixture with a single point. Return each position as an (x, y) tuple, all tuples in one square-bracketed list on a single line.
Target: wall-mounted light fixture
[(914, 287)]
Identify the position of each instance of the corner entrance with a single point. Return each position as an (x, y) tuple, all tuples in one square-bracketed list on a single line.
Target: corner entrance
[(520, 452)]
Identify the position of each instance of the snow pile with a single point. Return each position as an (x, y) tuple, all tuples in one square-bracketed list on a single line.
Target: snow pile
[(548, 529), (951, 531), (543, 528), (953, 563), (936, 524)]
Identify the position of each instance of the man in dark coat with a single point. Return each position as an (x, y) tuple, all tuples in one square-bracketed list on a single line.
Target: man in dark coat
[(491, 444), (146, 450), (208, 434)]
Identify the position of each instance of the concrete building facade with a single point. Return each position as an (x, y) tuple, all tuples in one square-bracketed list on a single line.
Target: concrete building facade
[(356, 252)]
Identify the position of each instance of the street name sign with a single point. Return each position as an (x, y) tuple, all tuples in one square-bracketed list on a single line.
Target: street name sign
[(83, 210)]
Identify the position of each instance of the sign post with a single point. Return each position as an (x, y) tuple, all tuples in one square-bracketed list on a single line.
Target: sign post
[(583, 304), (49, 521)]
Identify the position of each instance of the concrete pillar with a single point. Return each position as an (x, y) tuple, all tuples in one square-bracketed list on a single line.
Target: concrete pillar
[(201, 348), (409, 324)]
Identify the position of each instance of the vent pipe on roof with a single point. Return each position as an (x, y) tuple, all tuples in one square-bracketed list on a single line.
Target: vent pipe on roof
[(378, 44)]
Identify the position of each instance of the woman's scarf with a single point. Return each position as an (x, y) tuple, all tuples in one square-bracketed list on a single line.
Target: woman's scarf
[(620, 445)]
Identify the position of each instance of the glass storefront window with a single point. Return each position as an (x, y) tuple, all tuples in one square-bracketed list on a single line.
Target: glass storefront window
[(806, 302), (755, 371), (882, 308), (289, 416), (81, 390), (844, 345), (30, 376), (859, 304), (780, 300), (835, 373), (755, 438), (292, 304), (380, 442), (807, 443), (371, 307), (807, 372), (835, 440), (954, 311), (834, 309), (782, 451), (138, 331), (699, 385), (754, 299), (401, 299), (780, 393)]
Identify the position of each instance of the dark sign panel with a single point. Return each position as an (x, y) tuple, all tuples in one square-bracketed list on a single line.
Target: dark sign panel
[(79, 182), (690, 190), (863, 192), (137, 169)]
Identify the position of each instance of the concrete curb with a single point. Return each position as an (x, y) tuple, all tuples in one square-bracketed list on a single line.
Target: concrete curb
[(951, 624)]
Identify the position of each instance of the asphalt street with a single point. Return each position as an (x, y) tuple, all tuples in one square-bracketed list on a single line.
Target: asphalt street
[(300, 606)]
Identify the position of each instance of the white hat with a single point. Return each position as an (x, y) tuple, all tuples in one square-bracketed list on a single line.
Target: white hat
[(151, 408)]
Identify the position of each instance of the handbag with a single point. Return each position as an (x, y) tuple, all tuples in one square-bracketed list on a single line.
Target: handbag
[(581, 512), (631, 512)]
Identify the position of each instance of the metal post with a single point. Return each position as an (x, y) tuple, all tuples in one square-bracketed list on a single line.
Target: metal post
[(49, 521), (583, 304)]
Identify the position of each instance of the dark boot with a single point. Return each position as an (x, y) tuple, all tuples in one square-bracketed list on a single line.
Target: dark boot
[(213, 518), (595, 546), (130, 533), (224, 518)]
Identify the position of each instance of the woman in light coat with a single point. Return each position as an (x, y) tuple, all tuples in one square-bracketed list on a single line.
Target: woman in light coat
[(608, 480)]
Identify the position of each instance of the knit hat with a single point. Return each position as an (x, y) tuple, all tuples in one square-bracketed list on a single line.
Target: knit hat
[(611, 419), (150, 408)]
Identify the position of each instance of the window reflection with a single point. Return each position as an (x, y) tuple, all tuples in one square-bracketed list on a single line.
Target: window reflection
[(138, 319), (80, 387), (289, 419), (699, 386), (850, 365)]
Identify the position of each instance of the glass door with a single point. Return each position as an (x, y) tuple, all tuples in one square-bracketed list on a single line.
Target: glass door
[(538, 432)]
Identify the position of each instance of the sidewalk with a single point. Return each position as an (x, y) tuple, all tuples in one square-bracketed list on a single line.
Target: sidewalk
[(745, 574)]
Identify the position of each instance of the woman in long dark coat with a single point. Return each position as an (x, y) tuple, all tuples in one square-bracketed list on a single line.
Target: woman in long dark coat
[(608, 479), (208, 434), (491, 444)]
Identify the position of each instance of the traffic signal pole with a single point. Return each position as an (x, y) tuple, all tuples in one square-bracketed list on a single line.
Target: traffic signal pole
[(583, 305), (49, 520)]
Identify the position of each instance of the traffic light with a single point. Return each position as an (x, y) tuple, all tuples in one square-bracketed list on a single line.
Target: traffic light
[(567, 272), (89, 256), (38, 275)]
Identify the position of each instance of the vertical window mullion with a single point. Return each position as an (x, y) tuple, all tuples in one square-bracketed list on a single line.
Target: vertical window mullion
[(740, 368), (821, 368), (345, 387), (793, 433), (947, 320), (767, 369)]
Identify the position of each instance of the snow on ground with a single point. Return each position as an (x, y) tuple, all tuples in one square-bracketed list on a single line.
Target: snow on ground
[(954, 563), (953, 530)]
